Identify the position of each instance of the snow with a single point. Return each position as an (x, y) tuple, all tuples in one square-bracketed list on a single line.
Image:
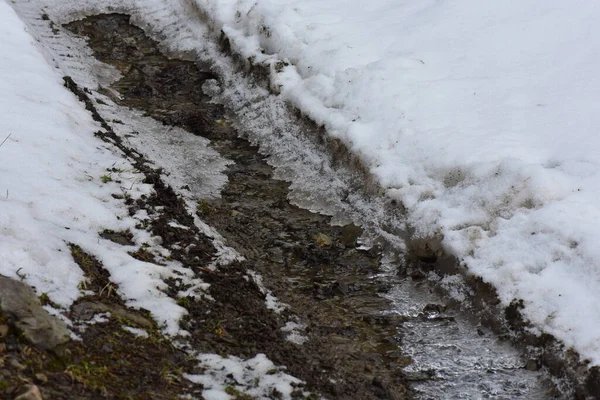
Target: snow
[(271, 302), (294, 332), (137, 332), (480, 117), (256, 377), (53, 192)]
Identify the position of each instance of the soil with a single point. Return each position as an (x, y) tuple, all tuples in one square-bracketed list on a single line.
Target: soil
[(315, 269)]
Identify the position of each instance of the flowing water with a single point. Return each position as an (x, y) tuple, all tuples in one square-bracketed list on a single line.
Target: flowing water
[(444, 354)]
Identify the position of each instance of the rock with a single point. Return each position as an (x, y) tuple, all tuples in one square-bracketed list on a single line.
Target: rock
[(86, 310), (350, 234), (323, 240), (15, 364), (123, 238), (434, 308), (32, 393), (41, 378), (108, 348), (3, 330), (378, 382), (38, 327), (532, 365), (418, 376)]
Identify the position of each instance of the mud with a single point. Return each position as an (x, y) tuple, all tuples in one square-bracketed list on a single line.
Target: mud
[(311, 266)]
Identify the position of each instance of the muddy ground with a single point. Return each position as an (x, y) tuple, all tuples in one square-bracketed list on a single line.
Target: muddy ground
[(316, 269), (353, 349)]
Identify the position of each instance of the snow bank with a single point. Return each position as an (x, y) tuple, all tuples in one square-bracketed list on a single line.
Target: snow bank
[(52, 188), (480, 117)]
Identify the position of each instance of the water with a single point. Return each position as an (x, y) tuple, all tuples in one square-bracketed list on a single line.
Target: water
[(453, 359)]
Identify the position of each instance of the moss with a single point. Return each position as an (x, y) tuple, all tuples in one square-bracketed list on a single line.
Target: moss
[(204, 208)]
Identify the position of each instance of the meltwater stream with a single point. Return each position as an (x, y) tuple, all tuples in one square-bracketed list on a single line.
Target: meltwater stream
[(450, 358)]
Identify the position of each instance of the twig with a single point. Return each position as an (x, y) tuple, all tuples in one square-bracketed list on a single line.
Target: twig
[(5, 139)]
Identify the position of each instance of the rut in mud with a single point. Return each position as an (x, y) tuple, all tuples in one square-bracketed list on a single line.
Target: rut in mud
[(315, 268)]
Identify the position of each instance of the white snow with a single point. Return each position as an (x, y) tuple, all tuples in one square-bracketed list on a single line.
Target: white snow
[(481, 117), (137, 332), (271, 301), (257, 377), (294, 332), (52, 188)]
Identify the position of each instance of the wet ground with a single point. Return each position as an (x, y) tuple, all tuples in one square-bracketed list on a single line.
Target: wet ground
[(334, 288), (314, 267), (365, 332)]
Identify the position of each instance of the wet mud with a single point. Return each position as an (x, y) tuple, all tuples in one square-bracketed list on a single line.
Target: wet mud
[(323, 281)]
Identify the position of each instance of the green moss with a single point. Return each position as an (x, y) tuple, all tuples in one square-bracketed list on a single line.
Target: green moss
[(204, 208)]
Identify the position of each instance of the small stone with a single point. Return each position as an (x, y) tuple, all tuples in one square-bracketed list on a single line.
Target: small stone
[(32, 393), (3, 330), (108, 348), (378, 382), (323, 240), (41, 378), (2, 348), (532, 365), (85, 310), (350, 234), (38, 327), (418, 376), (14, 363)]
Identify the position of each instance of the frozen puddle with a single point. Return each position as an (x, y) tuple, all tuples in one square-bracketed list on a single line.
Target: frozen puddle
[(453, 360)]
